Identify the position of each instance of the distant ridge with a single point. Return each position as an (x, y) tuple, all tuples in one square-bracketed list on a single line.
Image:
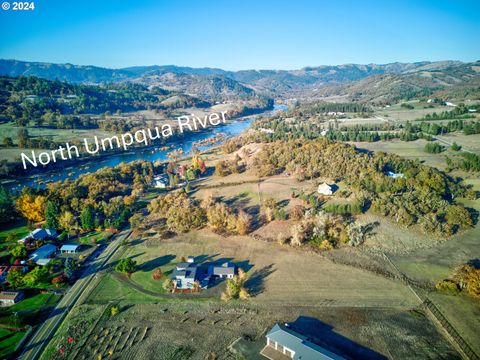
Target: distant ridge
[(357, 82)]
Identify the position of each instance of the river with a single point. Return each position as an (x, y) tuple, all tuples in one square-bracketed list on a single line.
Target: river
[(72, 172)]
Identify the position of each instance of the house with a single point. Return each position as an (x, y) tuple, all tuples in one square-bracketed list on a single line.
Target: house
[(69, 248), (20, 265), (161, 181), (325, 189), (43, 254), (226, 270), (9, 298), (3, 272), (39, 234), (283, 342), (395, 175), (184, 275)]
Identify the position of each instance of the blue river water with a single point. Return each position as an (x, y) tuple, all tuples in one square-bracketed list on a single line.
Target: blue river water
[(72, 171)]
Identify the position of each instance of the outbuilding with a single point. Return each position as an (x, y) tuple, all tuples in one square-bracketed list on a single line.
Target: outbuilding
[(325, 189), (69, 248), (9, 298)]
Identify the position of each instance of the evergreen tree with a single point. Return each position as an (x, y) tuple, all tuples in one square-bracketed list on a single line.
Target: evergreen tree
[(52, 213), (70, 268), (87, 218)]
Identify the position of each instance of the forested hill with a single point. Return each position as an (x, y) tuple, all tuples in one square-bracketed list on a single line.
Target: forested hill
[(366, 83), (31, 97)]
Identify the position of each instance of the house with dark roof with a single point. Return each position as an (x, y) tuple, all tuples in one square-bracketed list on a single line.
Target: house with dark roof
[(9, 298), (43, 254), (284, 343)]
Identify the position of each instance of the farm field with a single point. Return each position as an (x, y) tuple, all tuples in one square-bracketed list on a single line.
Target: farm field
[(356, 312)]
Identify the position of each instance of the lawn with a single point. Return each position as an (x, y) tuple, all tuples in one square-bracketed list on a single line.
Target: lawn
[(95, 237), (8, 341), (30, 311), (15, 232)]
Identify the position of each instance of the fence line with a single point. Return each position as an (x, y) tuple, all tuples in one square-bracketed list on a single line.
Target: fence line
[(466, 349)]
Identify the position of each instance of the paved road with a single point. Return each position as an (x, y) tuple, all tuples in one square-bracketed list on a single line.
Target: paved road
[(44, 333)]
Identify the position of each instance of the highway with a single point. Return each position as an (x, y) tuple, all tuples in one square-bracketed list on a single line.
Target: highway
[(44, 333)]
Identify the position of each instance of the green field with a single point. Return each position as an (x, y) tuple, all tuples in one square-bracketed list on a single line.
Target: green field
[(15, 232), (28, 312)]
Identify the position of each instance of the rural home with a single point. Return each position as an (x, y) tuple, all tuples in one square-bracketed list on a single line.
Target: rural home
[(184, 275), (161, 181), (225, 270), (325, 189), (39, 234), (187, 273), (395, 175), (283, 341), (9, 298), (69, 248), (43, 254)]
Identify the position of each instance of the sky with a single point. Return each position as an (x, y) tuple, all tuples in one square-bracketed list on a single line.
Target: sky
[(235, 35)]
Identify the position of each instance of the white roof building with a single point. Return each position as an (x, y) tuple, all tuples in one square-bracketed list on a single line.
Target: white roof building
[(325, 189)]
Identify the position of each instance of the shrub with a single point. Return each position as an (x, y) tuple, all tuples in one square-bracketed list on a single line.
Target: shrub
[(325, 245), (448, 286), (126, 266), (114, 310), (297, 212), (168, 285), (157, 274), (433, 148)]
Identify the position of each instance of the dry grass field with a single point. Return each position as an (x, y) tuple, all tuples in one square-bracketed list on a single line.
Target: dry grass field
[(351, 311)]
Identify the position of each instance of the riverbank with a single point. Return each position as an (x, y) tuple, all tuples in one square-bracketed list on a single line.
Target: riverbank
[(72, 169)]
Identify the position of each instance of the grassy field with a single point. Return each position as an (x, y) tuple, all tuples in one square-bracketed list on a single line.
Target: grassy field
[(10, 234), (352, 311), (13, 319)]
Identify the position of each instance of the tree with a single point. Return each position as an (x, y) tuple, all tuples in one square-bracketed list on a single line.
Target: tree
[(68, 222), (59, 281), (127, 266), (31, 206), (22, 136), (19, 251), (69, 268), (52, 214), (455, 147), (6, 205), (114, 310), (243, 223), (87, 218), (168, 285), (235, 287), (15, 278), (8, 142), (36, 277), (157, 274), (458, 215), (297, 212)]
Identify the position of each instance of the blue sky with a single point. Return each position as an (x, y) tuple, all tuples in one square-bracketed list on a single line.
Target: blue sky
[(242, 34)]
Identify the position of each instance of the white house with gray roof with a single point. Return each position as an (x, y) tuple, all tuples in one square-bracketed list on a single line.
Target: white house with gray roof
[(226, 270), (184, 275), (284, 343), (40, 234)]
